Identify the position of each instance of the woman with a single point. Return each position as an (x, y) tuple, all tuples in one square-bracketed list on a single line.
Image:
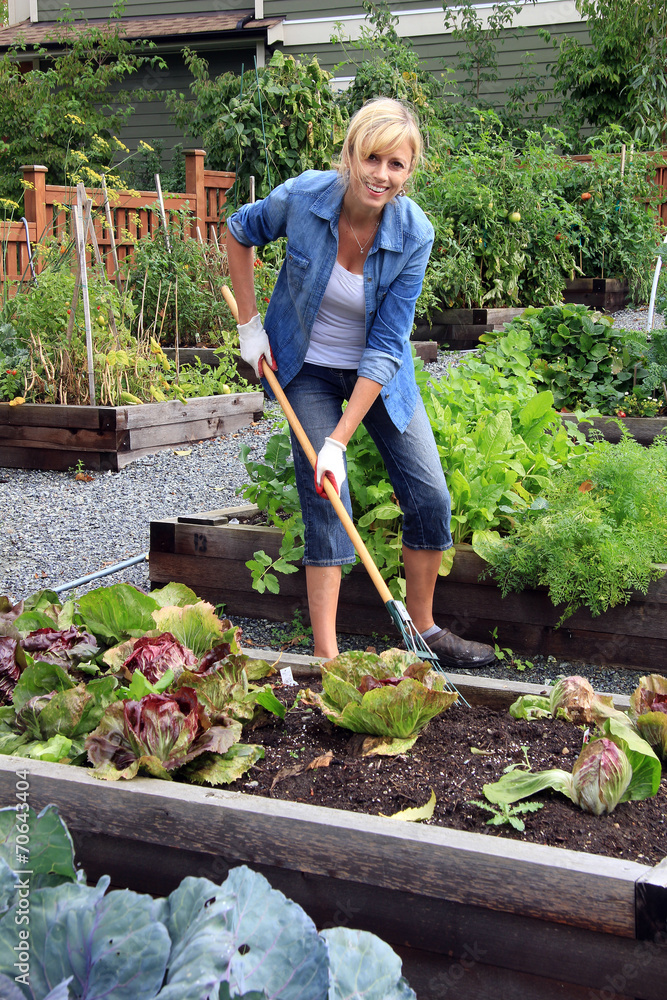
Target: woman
[(337, 328)]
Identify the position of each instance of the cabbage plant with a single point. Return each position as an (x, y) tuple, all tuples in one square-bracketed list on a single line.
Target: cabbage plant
[(616, 767), (648, 705), (571, 698), (387, 696), (159, 734)]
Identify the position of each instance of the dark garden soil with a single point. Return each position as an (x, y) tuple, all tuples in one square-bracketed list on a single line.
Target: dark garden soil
[(447, 759)]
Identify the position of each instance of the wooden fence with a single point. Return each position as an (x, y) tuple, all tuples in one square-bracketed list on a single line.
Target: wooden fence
[(133, 214)]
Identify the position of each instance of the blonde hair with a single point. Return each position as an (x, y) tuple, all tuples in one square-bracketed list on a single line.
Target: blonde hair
[(381, 125)]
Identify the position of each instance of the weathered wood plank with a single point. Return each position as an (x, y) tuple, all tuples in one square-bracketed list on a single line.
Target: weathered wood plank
[(50, 459), (643, 429), (109, 438), (48, 415), (643, 618), (78, 439), (184, 432), (488, 872), (153, 414)]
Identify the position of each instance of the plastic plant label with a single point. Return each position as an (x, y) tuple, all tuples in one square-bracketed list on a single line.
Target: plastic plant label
[(286, 676)]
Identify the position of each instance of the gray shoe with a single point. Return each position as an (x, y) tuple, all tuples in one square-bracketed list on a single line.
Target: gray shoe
[(453, 651)]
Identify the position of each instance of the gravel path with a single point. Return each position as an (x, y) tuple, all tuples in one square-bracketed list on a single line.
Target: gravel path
[(54, 529)]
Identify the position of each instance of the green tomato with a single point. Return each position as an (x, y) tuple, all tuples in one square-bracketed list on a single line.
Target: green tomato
[(514, 216)]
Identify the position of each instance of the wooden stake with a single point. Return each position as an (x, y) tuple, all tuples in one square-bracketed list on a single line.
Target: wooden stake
[(83, 272), (622, 160), (176, 334), (112, 236), (163, 214), (89, 230)]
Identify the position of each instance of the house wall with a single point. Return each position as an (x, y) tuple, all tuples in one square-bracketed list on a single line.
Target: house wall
[(51, 10), (151, 120), (307, 31)]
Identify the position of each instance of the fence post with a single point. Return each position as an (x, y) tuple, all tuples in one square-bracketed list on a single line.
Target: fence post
[(34, 199), (194, 185)]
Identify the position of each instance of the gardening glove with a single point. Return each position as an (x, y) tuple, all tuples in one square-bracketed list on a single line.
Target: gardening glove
[(330, 463), (255, 345)]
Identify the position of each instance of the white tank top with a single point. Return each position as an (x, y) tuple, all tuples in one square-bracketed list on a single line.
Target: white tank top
[(338, 337)]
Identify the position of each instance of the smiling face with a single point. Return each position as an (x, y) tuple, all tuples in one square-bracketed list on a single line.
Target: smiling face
[(378, 177)]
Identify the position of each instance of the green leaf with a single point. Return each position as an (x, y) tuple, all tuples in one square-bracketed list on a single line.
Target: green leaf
[(531, 706), (195, 915), (278, 947), (267, 699), (174, 594), (646, 767), (30, 621), (401, 711), (51, 846), (101, 940), (221, 769), (196, 626), (536, 408), (517, 785), (117, 612), (40, 678), (362, 965)]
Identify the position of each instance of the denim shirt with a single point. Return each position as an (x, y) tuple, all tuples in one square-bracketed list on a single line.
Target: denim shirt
[(306, 210)]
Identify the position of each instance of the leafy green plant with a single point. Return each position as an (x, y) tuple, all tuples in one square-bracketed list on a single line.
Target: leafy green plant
[(388, 66), (504, 234), (615, 767), (240, 937), (176, 283), (269, 123), (505, 813), (616, 231), (388, 697), (648, 710), (498, 440), (191, 690), (599, 532), (295, 632), (617, 77), (478, 52), (71, 103), (587, 362), (578, 355)]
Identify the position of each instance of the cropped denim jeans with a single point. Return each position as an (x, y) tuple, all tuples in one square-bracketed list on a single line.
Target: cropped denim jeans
[(411, 457)]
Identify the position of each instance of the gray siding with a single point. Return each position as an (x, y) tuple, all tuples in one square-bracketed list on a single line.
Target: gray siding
[(152, 122), (324, 8), (440, 51), (51, 10)]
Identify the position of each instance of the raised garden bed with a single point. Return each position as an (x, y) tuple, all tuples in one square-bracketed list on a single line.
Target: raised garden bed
[(209, 555), (473, 915), (605, 294), (643, 429), (103, 438), (462, 328)]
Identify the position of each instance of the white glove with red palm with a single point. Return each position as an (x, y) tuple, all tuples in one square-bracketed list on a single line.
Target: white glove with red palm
[(330, 463), (254, 344)]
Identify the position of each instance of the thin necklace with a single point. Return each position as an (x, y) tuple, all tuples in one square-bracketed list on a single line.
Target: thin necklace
[(361, 248)]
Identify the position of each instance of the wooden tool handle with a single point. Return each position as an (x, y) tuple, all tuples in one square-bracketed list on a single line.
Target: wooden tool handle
[(311, 455)]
